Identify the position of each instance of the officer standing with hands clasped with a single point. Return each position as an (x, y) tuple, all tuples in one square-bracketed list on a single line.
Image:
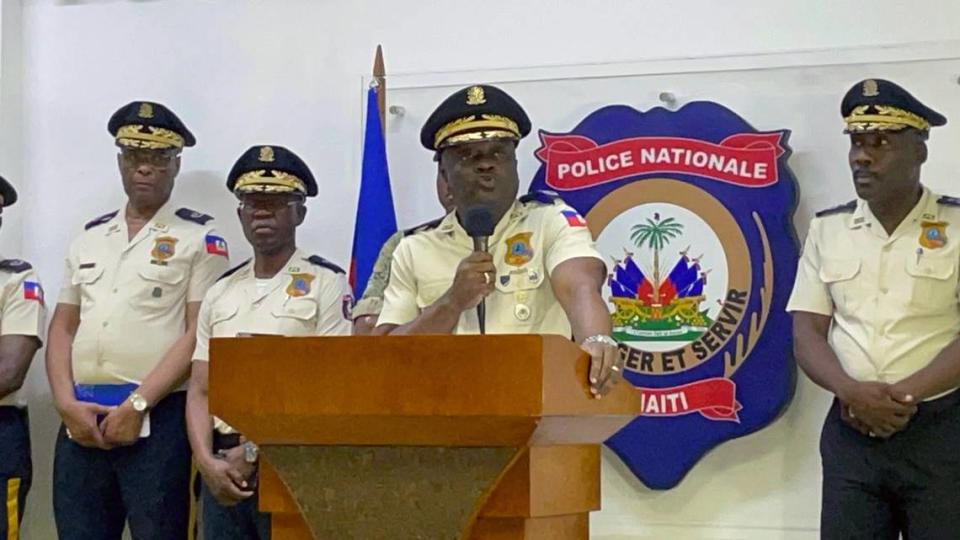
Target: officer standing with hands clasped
[(22, 316), (876, 319), (281, 291), (120, 344), (541, 273)]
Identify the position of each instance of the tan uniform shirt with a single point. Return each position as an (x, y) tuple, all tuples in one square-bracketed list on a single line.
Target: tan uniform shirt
[(133, 293), (21, 309), (530, 241), (893, 298), (304, 299)]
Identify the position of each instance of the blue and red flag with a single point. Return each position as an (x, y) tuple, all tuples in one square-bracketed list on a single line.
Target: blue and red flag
[(32, 291), (376, 220), (217, 245)]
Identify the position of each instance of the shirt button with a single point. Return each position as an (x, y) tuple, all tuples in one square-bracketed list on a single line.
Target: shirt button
[(887, 247), (105, 324), (884, 290), (114, 291)]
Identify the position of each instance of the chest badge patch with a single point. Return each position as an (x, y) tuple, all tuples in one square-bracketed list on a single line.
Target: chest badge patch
[(933, 234), (519, 251), (299, 284), (164, 247)]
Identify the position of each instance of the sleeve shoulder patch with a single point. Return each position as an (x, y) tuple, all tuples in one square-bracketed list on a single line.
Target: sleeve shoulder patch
[(233, 270), (544, 196), (423, 227), (14, 266), (949, 201), (844, 208), (192, 215), (100, 220), (320, 261)]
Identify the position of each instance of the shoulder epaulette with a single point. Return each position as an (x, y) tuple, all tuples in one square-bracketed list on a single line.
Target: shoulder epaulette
[(194, 216), (320, 261), (839, 209), (233, 270), (15, 265), (544, 196), (423, 227), (100, 220), (949, 201)]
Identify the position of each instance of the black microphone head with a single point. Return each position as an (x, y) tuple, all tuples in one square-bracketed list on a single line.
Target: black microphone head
[(478, 222)]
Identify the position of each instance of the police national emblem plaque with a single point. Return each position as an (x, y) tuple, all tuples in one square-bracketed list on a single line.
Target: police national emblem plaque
[(693, 212)]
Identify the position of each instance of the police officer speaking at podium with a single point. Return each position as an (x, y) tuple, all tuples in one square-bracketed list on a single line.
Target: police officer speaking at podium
[(498, 264), (876, 319), (120, 342)]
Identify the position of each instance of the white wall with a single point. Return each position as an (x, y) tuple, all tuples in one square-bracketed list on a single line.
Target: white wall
[(245, 72)]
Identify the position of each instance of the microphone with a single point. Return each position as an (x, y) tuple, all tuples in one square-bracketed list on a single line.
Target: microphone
[(478, 222)]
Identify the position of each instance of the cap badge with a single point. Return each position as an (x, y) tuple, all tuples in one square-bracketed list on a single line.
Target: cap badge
[(870, 88), (266, 154), (146, 110), (475, 96)]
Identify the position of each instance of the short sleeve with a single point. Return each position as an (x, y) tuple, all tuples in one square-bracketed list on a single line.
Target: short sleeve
[(336, 301), (201, 351), (400, 296), (566, 236), (810, 293), (69, 291), (211, 261), (23, 306)]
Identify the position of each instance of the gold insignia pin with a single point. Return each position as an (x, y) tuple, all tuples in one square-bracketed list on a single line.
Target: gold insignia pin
[(870, 88), (475, 96), (146, 110), (266, 154)]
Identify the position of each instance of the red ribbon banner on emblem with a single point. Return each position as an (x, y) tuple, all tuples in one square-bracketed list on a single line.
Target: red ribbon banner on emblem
[(714, 399), (577, 162)]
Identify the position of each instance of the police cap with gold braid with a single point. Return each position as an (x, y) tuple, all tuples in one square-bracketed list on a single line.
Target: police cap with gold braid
[(149, 125), (879, 105), (271, 169), (472, 114)]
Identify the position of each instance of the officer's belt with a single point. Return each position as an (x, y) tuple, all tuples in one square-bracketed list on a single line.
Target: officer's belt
[(108, 395)]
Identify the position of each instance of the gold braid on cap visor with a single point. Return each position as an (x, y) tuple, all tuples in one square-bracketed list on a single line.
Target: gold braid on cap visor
[(885, 118), (277, 182), (133, 136), (471, 128)]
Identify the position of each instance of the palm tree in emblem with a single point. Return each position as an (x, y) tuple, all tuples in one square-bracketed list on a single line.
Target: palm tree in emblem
[(656, 234)]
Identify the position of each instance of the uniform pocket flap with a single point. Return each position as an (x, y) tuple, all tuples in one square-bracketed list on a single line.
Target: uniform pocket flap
[(833, 270), (162, 274), (297, 309), (931, 267), (86, 276)]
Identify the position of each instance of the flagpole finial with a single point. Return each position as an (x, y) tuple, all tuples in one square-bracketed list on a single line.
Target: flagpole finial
[(379, 84)]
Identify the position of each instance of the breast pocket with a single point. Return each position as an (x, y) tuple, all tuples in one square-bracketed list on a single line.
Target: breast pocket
[(522, 296), (159, 287), (86, 279), (842, 277), (932, 281), (296, 317)]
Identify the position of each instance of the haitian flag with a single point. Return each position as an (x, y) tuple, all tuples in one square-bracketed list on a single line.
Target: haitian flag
[(376, 220)]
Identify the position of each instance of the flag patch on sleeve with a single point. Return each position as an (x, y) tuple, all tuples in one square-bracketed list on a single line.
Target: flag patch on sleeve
[(33, 291), (217, 245), (573, 218)]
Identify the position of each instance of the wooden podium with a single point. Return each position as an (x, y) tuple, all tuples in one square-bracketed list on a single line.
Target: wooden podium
[(426, 437)]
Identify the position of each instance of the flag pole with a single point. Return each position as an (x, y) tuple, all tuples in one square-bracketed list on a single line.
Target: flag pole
[(379, 75)]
